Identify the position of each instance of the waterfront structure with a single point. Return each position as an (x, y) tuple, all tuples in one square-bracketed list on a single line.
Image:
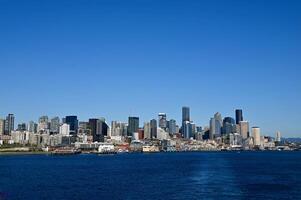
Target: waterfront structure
[(162, 121), (73, 123), (9, 125), (55, 125), (238, 115), (185, 114), (64, 129), (256, 136), (244, 129), (153, 124), (133, 125)]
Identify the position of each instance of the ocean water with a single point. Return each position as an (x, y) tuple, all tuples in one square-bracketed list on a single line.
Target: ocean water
[(204, 175)]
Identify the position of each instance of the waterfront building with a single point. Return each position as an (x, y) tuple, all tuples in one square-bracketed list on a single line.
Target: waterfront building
[(238, 115), (185, 114), (73, 123), (244, 129), (133, 125), (162, 121), (256, 136), (64, 129), (153, 124)]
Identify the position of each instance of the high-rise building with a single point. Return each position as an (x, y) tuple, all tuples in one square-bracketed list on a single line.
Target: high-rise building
[(2, 125), (187, 130), (218, 124), (256, 136), (228, 126), (55, 125), (147, 130), (238, 115), (185, 114), (153, 124), (278, 136), (99, 129), (244, 129), (212, 128), (73, 122), (118, 128), (32, 127), (22, 127), (162, 121), (64, 129), (133, 125), (172, 126), (9, 125), (43, 123)]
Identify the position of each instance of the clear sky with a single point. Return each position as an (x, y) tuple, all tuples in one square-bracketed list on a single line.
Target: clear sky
[(113, 59)]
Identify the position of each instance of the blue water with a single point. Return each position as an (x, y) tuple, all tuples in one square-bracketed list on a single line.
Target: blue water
[(220, 175)]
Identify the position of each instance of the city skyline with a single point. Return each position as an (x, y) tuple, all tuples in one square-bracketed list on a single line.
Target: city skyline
[(141, 58), (218, 125)]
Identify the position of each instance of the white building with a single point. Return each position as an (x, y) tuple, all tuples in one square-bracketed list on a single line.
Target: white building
[(65, 129), (256, 136)]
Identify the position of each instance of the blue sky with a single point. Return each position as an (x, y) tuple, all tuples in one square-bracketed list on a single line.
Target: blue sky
[(121, 58)]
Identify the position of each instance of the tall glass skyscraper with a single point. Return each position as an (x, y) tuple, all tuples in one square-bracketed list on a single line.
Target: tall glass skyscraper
[(153, 124), (162, 121), (73, 123), (185, 114), (238, 115), (133, 125), (9, 124)]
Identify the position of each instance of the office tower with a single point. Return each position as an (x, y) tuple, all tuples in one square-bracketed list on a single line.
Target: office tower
[(9, 125), (218, 124), (133, 125), (73, 122), (244, 129), (228, 126), (43, 123), (99, 129), (55, 125), (147, 130), (193, 129), (172, 126), (238, 115), (278, 136), (32, 127), (185, 114), (187, 130), (256, 135), (199, 129), (64, 129), (83, 128), (212, 128), (2, 125), (118, 128), (93, 128), (162, 121), (22, 127), (153, 124)]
